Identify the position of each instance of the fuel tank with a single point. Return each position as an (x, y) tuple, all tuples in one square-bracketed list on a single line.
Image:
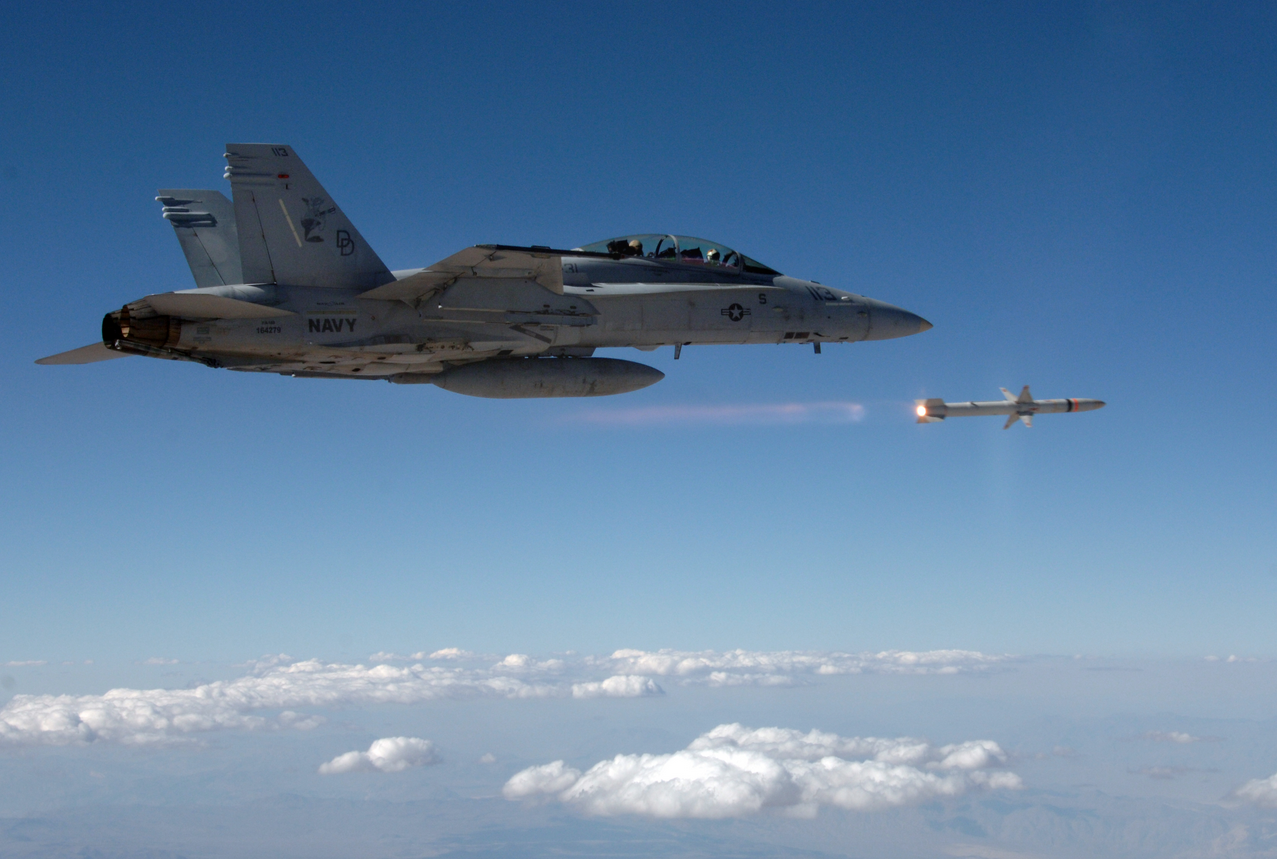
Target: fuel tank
[(515, 378)]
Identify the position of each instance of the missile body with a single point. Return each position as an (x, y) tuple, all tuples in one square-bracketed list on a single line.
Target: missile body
[(1021, 408)]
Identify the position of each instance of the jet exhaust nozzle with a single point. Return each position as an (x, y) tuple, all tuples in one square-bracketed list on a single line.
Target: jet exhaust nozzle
[(159, 332), (520, 378)]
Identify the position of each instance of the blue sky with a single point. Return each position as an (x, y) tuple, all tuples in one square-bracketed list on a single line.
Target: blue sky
[(1079, 196)]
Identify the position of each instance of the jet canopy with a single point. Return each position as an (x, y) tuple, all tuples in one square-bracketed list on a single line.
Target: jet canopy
[(687, 250)]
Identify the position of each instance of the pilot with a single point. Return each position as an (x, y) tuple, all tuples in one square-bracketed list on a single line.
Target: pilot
[(635, 248), (713, 257)]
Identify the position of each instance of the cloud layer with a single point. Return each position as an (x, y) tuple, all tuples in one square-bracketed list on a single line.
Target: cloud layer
[(734, 771), (284, 685), (139, 716), (387, 755), (786, 667)]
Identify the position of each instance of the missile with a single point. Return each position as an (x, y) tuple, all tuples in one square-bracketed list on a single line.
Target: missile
[(1021, 408)]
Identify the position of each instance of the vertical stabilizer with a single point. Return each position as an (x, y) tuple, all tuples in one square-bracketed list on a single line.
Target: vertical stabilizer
[(204, 222), (291, 231)]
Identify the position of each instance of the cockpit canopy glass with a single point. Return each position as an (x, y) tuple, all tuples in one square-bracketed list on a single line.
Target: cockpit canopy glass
[(687, 250)]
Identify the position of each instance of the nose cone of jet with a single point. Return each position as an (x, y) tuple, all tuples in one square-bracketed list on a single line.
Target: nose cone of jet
[(887, 322)]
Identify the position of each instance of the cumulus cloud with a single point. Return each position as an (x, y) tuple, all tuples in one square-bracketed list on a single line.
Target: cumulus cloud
[(617, 686), (1260, 791), (25, 663), (451, 653), (387, 755), (137, 716), (734, 771)]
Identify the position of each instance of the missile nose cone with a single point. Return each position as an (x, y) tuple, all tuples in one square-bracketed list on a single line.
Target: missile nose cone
[(924, 325)]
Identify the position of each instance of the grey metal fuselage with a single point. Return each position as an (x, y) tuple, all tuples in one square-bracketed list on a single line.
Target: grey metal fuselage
[(607, 301)]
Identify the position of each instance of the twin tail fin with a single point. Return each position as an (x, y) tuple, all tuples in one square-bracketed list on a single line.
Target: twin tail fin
[(291, 231), (204, 221)]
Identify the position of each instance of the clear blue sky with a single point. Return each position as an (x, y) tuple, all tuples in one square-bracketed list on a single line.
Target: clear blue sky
[(1078, 196)]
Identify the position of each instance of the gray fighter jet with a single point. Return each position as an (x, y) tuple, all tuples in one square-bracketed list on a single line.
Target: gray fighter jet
[(286, 284), (1017, 408)]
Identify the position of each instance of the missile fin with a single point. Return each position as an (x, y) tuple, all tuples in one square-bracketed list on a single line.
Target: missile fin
[(1011, 419), (1028, 420), (1025, 396), (1010, 396)]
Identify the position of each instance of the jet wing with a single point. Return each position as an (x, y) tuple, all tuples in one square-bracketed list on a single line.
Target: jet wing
[(90, 354), (544, 265)]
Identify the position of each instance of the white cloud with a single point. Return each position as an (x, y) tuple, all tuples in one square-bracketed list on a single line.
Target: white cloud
[(452, 653), (1260, 791), (276, 683), (617, 686), (137, 716), (785, 667), (734, 771), (26, 663), (159, 660), (387, 755), (1173, 737), (449, 653), (724, 668)]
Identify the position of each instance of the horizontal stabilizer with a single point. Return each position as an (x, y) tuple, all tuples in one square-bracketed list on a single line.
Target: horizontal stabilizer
[(90, 354), (201, 305)]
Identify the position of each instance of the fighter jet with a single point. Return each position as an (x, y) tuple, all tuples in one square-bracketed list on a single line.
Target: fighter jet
[(286, 284), (1016, 408)]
